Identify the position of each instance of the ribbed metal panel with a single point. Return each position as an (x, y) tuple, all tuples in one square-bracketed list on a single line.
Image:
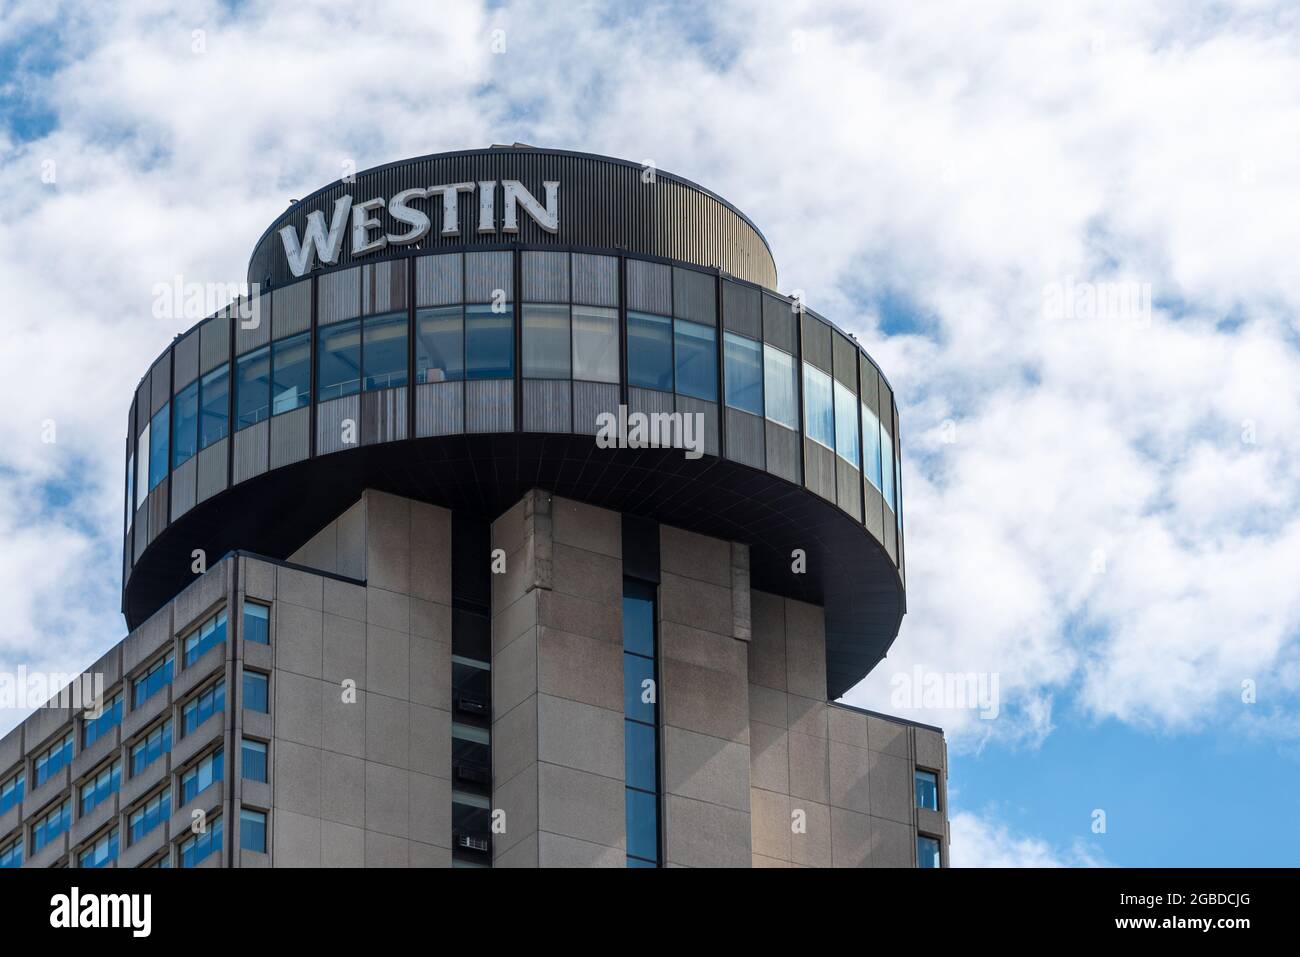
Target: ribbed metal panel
[(545, 276), (214, 343), (383, 287), (291, 310), (844, 358), (439, 409), (290, 437), (157, 506), (160, 378), (488, 276), (778, 323), (336, 420), (383, 416), (873, 507), (547, 405), (140, 524), (898, 482), (817, 342), (708, 411), (886, 413), (143, 404), (819, 469), (890, 537), (648, 400), (870, 385), (490, 405), (339, 296), (183, 487), (439, 280), (186, 360), (741, 309), (649, 287), (595, 280), (252, 452), (604, 203), (211, 470), (745, 438), (848, 488), (695, 296), (253, 329), (590, 399)]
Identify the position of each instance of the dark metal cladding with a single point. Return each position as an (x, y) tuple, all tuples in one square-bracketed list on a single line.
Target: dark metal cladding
[(605, 203)]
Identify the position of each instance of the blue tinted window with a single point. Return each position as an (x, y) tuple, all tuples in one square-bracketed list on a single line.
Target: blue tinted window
[(100, 788), (649, 351), (871, 445), (200, 777), (156, 810), (818, 406), (639, 624), (439, 344), (214, 401), (199, 709), (639, 752), (11, 855), (257, 623), (253, 387), (696, 353), (642, 828), (208, 635), (110, 717), (253, 761), (927, 851), (152, 681), (780, 387), (744, 372), (383, 351), (636, 672), (252, 830), (846, 425), (290, 373), (338, 360), (255, 692), (159, 434), (156, 743), (887, 465), (927, 790), (102, 853), (11, 792), (197, 847), (54, 759), (489, 343), (51, 826), (185, 424), (640, 724)]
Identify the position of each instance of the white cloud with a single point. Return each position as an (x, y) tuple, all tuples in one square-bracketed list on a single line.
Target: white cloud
[(982, 841)]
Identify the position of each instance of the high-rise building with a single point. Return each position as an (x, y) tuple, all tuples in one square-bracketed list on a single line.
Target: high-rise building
[(512, 519)]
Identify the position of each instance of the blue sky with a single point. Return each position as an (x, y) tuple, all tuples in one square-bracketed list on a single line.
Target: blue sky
[(1102, 497)]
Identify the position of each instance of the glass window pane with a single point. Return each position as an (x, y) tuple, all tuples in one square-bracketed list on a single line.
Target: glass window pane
[(639, 754), (253, 761), (338, 360), (871, 445), (696, 351), (927, 790), (384, 351), (255, 692), (253, 388), (638, 622), (214, 398), (546, 348), (257, 623), (780, 394), (290, 373), (649, 351), (642, 825), (636, 672), (185, 424), (159, 433), (818, 406), (887, 465), (142, 468), (744, 371), (927, 851), (595, 344), (439, 344), (489, 343), (846, 425), (252, 830)]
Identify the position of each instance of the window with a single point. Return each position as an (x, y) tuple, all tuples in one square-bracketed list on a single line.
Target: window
[(744, 368), (198, 847), (887, 466), (253, 760), (439, 344), (130, 490), (51, 826), (471, 755), (152, 681), (383, 351), (11, 854), (202, 776), (649, 351), (640, 723), (489, 343), (471, 823), (208, 635), (101, 787), (212, 700), (155, 744), (290, 373), (818, 406), (53, 759), (102, 853), (338, 360), (871, 446), (252, 830), (780, 390), (253, 387), (695, 348), (846, 425), (214, 400), (142, 468), (256, 697), (927, 790), (11, 792), (185, 424), (927, 851), (110, 716), (150, 814), (595, 344), (257, 623), (547, 352), (159, 433)]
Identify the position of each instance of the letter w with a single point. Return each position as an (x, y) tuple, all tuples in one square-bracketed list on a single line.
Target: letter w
[(300, 255)]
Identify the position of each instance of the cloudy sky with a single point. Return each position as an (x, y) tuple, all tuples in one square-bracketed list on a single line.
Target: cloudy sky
[(1066, 231)]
